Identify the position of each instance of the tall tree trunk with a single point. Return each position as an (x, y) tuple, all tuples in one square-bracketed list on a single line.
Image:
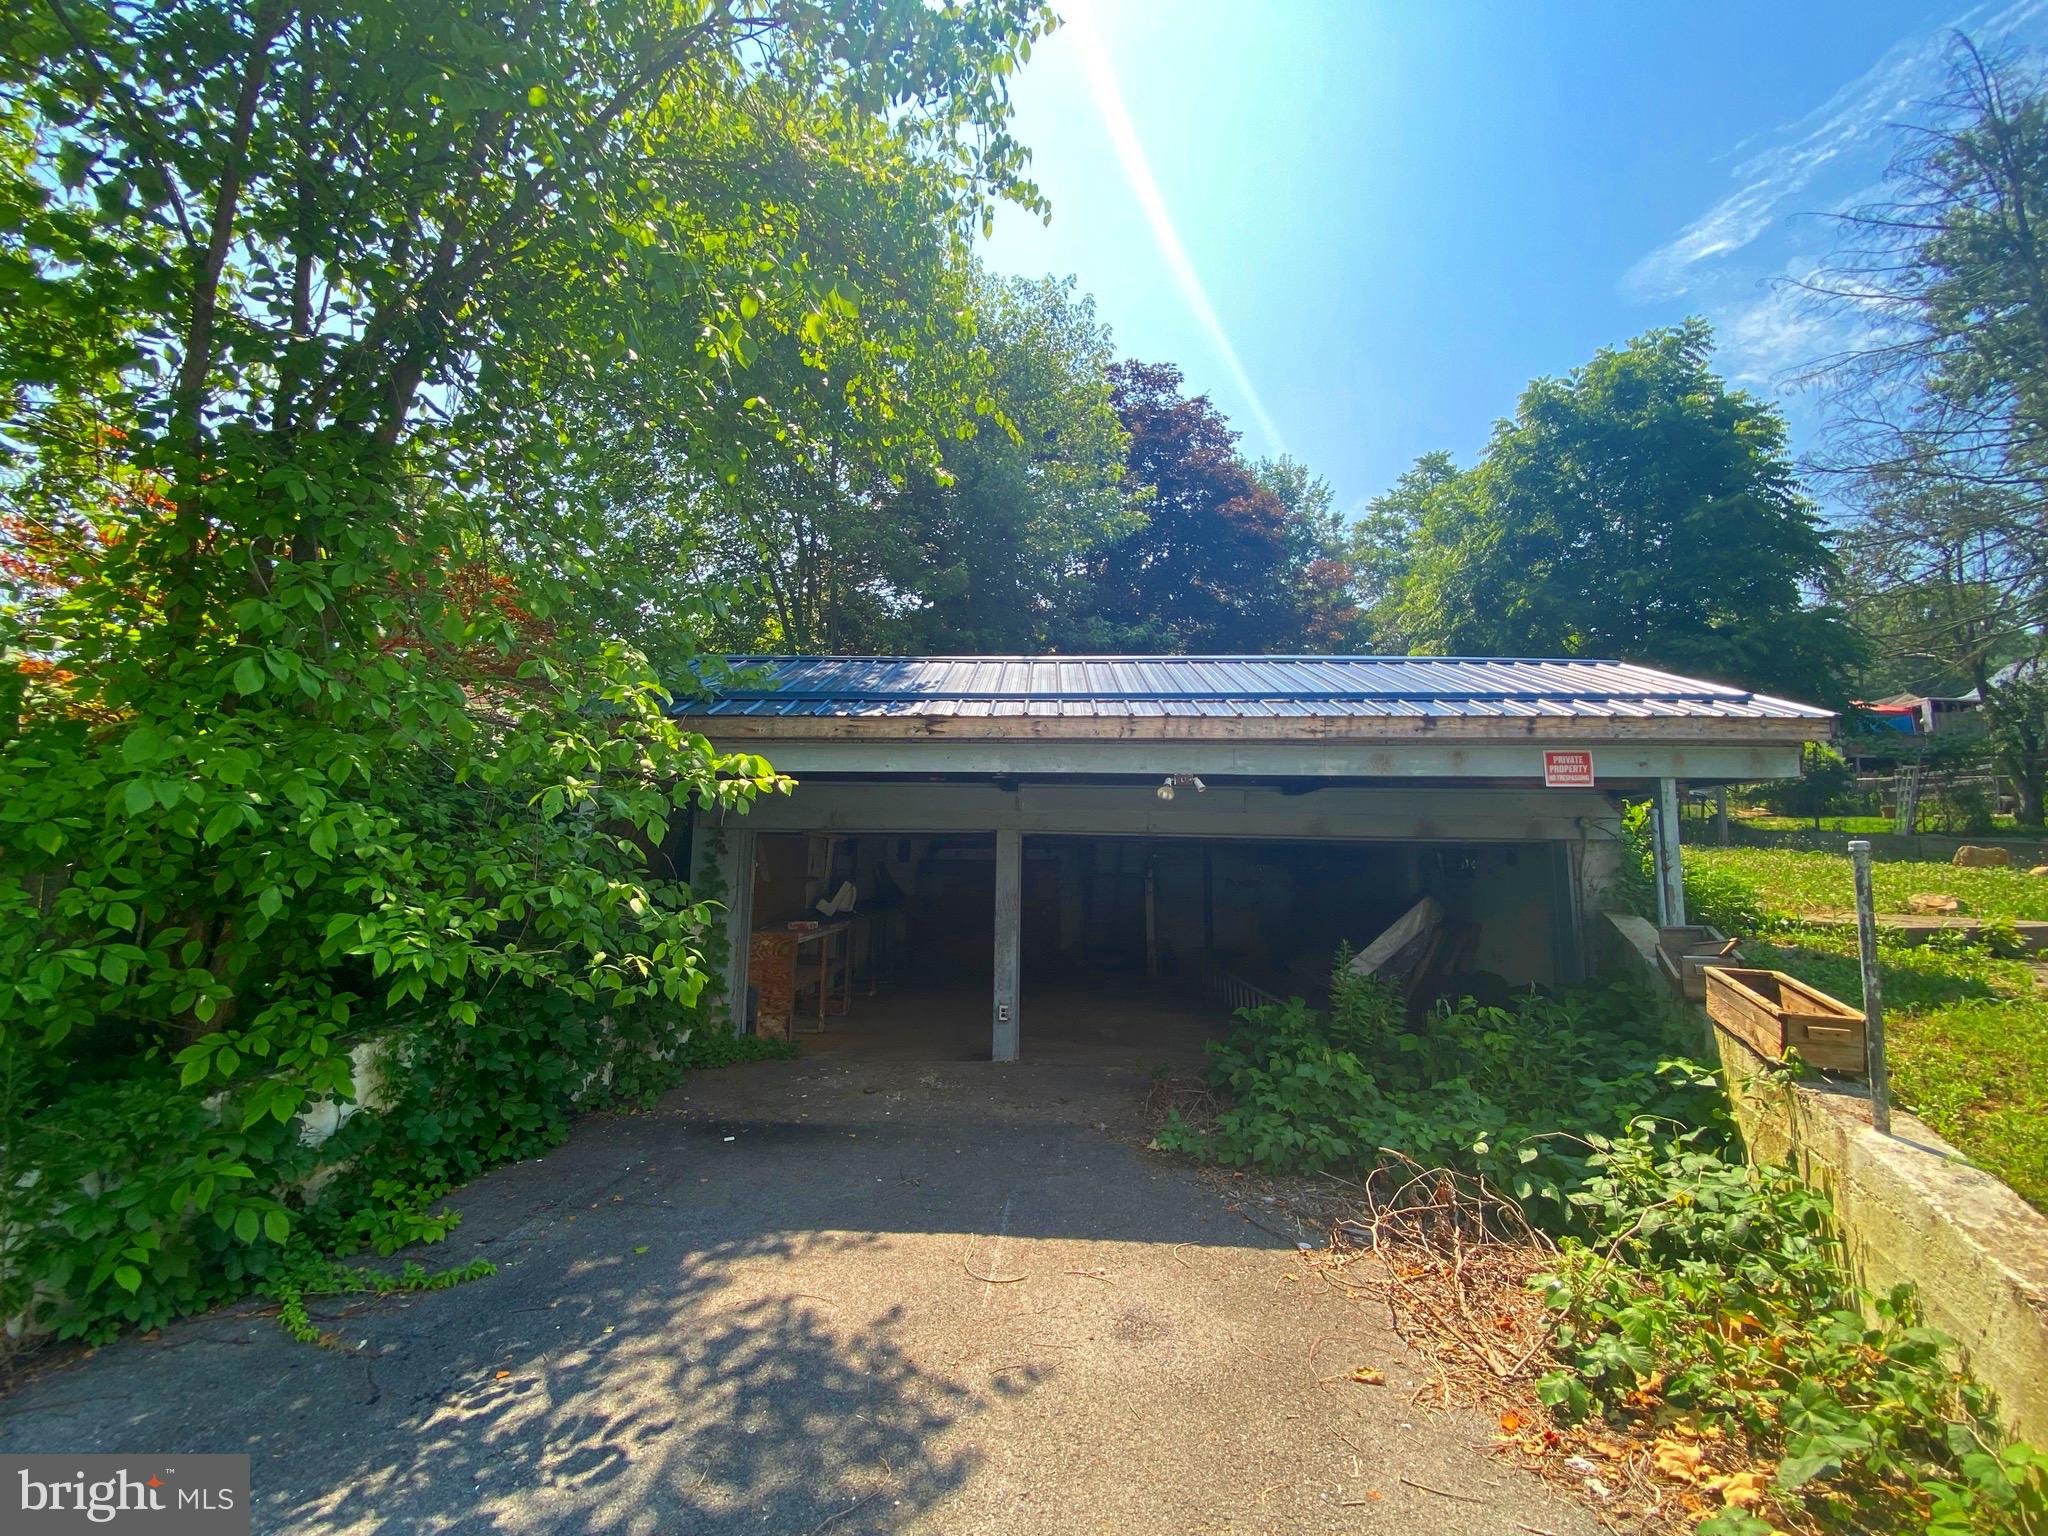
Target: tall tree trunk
[(2029, 775), (188, 398)]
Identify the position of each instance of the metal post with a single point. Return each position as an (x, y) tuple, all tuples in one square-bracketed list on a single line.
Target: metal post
[(1873, 993), (1009, 924)]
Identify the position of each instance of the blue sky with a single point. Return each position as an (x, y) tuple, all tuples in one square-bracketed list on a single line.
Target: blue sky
[(1369, 225)]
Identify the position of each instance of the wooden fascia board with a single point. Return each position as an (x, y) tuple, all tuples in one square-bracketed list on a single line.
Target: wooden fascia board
[(757, 729)]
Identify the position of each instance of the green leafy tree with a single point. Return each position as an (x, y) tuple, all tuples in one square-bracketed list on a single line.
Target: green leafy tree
[(996, 541), (2015, 706), (1940, 413), (845, 545), (1636, 508), (1943, 278), (1382, 544), (1321, 572), (1223, 561), (318, 320)]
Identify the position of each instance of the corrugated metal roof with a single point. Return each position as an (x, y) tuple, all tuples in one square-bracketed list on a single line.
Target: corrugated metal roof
[(1224, 687)]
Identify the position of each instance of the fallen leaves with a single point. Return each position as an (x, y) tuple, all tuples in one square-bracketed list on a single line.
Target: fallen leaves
[(1676, 1460), (1739, 1490), (1367, 1376)]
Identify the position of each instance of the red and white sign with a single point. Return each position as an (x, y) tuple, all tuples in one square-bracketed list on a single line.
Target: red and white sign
[(1568, 770)]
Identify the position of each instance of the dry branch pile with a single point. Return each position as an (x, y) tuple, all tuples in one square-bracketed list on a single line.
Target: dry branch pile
[(1449, 1257)]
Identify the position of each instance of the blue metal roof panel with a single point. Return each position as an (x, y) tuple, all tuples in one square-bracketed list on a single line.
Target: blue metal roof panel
[(1223, 687)]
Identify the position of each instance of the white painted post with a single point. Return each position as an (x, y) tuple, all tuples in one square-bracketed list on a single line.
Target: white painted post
[(736, 865), (1873, 992), (1670, 864), (1009, 924)]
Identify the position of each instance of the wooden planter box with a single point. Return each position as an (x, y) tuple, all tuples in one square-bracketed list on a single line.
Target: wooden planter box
[(1684, 953), (1774, 1013)]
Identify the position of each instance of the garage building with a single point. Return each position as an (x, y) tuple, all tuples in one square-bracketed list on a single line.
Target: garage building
[(999, 824)]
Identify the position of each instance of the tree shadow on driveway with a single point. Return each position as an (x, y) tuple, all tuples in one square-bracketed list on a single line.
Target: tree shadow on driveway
[(647, 1395), (820, 1298)]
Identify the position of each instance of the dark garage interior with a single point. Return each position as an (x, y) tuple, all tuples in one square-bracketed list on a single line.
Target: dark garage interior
[(1122, 934)]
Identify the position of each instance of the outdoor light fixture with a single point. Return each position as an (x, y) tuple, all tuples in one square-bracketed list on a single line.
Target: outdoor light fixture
[(1175, 781)]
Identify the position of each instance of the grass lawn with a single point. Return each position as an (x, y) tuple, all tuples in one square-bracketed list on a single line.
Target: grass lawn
[(1790, 883), (1967, 1031), (2002, 826)]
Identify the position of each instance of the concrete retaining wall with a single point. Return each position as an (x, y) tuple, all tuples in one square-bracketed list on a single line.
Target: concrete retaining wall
[(1911, 1209)]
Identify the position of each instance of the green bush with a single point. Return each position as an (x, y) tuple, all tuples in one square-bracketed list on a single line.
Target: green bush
[(143, 1204), (1965, 810), (151, 1201), (1503, 1092), (1635, 889), (1712, 895), (1826, 784), (1687, 1285), (1717, 895), (720, 1047), (1717, 1289)]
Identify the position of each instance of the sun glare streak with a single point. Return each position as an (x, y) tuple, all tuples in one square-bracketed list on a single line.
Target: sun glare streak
[(1130, 151)]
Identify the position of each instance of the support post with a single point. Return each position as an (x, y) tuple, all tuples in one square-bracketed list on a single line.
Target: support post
[(1721, 815), (1670, 867), (736, 865), (1873, 993), (1208, 903), (1009, 922), (1151, 918)]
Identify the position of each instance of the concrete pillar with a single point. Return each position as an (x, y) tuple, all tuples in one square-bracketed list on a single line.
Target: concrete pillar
[(736, 865), (1721, 814), (1670, 866), (1009, 925)]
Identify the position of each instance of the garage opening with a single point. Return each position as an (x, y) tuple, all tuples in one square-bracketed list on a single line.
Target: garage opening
[(887, 943), (1191, 917), (873, 941)]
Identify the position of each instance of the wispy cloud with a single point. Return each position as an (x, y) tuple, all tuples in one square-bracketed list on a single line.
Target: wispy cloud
[(1130, 153), (1844, 133), (1770, 338)]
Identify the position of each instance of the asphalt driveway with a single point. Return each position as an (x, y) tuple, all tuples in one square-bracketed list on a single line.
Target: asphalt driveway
[(834, 1295)]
